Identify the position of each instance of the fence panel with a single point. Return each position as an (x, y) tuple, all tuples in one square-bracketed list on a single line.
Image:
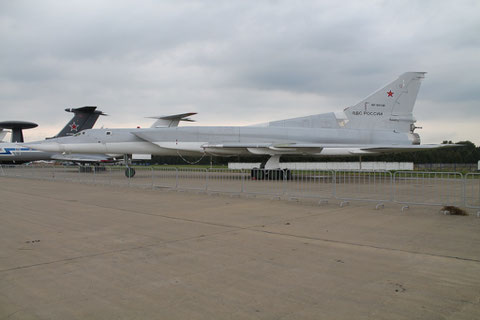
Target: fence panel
[(192, 179), (8, 170), (165, 177), (66, 173), (143, 177), (85, 174), (472, 190), (102, 175), (317, 184), (363, 185), (43, 172), (226, 180), (117, 176), (265, 182), (407, 187), (429, 188)]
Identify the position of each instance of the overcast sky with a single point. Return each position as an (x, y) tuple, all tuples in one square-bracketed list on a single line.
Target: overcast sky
[(236, 62)]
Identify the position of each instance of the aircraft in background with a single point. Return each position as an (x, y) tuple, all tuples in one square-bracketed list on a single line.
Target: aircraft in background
[(16, 129), (16, 152), (3, 134), (381, 123)]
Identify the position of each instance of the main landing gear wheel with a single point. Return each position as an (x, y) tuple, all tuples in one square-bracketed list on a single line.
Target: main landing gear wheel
[(257, 174), (129, 172), (270, 174)]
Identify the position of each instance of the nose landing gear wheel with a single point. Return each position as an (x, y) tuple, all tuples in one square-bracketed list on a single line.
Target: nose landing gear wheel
[(129, 172)]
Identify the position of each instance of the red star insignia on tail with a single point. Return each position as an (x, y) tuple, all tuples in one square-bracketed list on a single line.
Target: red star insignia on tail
[(73, 127), (390, 93)]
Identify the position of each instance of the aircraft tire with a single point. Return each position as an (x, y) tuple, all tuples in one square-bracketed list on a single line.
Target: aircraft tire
[(257, 174), (99, 168), (274, 174), (130, 172), (85, 169)]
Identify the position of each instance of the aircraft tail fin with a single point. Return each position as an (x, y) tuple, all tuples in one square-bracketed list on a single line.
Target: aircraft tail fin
[(389, 108), (84, 118), (3, 133)]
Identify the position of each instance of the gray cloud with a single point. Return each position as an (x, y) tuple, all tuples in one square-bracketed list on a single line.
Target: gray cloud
[(234, 62)]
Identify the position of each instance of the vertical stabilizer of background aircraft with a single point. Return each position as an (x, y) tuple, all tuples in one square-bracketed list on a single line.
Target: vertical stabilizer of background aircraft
[(84, 118)]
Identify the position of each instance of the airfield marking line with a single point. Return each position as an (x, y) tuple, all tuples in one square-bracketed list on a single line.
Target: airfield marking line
[(236, 230), (8, 316), (232, 229), (176, 218), (162, 243), (367, 246), (132, 211)]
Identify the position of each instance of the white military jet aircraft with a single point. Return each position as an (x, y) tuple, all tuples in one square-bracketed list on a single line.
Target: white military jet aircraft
[(381, 123)]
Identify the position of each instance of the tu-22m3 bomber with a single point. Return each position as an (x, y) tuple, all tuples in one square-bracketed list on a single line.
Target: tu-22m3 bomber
[(383, 122)]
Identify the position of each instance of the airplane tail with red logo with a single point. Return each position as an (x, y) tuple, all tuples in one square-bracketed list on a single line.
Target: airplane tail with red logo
[(84, 118), (389, 108)]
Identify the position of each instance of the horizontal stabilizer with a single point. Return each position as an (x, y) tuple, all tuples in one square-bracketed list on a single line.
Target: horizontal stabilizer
[(172, 120), (86, 109)]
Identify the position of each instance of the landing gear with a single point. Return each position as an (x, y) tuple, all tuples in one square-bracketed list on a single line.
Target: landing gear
[(100, 168), (257, 174), (271, 170), (91, 168), (83, 168), (273, 174), (129, 171)]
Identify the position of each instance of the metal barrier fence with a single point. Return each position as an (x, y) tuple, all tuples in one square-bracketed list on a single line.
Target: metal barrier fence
[(429, 188), (404, 187), (225, 180), (165, 178), (363, 185), (472, 190), (318, 184)]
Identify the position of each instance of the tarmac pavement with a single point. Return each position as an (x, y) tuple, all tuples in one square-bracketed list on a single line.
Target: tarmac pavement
[(75, 251)]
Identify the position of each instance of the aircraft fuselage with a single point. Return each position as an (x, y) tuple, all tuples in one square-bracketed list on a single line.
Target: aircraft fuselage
[(218, 140)]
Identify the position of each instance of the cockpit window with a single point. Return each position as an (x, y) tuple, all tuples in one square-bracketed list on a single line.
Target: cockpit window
[(108, 133)]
